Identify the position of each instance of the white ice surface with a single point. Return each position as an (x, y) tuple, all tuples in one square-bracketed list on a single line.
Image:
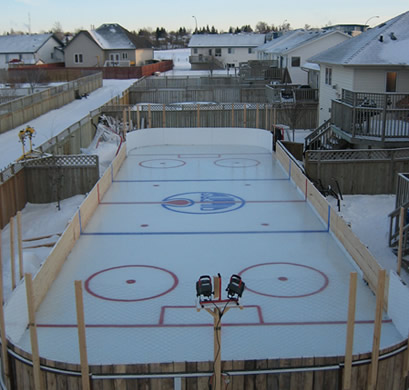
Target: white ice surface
[(303, 276)]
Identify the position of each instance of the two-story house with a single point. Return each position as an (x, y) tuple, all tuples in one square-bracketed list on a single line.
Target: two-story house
[(108, 45), (30, 49), (219, 51), (292, 49), (364, 85)]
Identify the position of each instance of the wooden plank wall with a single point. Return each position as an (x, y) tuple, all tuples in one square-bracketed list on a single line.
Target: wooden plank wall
[(13, 197), (358, 251)]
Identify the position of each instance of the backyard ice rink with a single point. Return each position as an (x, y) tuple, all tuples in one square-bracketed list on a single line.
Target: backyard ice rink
[(176, 212)]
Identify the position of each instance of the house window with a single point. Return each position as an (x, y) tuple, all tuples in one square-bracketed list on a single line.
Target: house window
[(328, 76), (210, 52), (295, 62), (218, 52), (391, 81), (195, 51), (124, 56), (230, 50), (78, 59), (250, 50)]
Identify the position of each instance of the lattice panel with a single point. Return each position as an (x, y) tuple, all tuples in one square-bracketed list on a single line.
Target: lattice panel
[(369, 154), (69, 160)]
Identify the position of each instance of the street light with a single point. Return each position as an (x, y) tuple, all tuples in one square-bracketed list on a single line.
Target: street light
[(194, 17), (372, 17)]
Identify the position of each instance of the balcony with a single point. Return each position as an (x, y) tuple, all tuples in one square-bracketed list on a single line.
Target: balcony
[(209, 62), (372, 118)]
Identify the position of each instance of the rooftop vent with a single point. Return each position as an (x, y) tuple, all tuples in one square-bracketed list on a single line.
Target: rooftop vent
[(380, 38), (393, 36)]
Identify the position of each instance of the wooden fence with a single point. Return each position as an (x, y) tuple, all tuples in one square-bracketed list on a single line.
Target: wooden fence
[(251, 115), (369, 171), (22, 110)]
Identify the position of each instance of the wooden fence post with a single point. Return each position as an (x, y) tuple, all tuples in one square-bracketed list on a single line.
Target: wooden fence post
[(4, 353), (350, 331), (245, 116), (266, 117), (33, 334), (257, 114), (164, 116), (82, 336), (373, 369), (400, 247), (12, 255), (20, 246), (138, 117), (198, 116), (232, 115), (149, 117)]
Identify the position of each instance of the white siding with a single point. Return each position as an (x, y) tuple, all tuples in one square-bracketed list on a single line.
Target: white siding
[(374, 80), (342, 78), (240, 54), (46, 52), (143, 55)]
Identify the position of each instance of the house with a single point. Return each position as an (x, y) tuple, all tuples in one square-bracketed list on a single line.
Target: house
[(108, 45), (219, 51), (350, 29), (364, 86), (376, 61), (30, 49), (292, 49)]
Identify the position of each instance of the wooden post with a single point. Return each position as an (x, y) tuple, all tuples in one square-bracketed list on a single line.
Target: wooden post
[(198, 116), (20, 246), (124, 126), (33, 334), (216, 286), (275, 116), (164, 116), (232, 115), (138, 117), (257, 114), (149, 117), (130, 126), (4, 353), (266, 119), (400, 248), (350, 331), (270, 125), (373, 369), (245, 116), (82, 336), (12, 255)]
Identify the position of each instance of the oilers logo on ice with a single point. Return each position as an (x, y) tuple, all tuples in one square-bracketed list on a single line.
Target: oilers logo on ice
[(203, 203)]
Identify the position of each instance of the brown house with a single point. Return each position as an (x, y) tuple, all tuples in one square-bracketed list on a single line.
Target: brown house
[(108, 45)]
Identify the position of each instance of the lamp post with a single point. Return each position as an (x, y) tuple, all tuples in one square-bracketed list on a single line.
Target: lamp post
[(194, 17), (372, 17)]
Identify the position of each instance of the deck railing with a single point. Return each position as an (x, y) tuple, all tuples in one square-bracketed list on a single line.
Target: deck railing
[(379, 115)]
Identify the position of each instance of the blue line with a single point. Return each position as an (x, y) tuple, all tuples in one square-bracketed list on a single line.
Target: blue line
[(200, 233), (193, 180), (329, 217), (289, 171), (79, 217)]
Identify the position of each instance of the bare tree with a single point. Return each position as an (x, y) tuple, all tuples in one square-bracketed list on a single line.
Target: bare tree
[(293, 113)]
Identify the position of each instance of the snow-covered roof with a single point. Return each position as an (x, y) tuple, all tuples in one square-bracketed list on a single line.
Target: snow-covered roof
[(294, 39), (310, 66), (227, 40), (113, 36), (22, 43), (386, 44)]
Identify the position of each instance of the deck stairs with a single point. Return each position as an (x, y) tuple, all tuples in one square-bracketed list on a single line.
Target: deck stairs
[(324, 138)]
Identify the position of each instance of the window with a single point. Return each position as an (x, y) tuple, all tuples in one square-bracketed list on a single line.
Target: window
[(328, 76), (78, 59), (250, 50), (295, 62), (195, 51), (218, 52), (124, 56), (210, 52), (230, 50), (391, 81)]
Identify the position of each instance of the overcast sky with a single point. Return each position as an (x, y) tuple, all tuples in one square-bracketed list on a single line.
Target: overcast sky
[(41, 15)]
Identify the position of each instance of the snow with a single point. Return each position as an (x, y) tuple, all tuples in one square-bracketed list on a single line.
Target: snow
[(56, 121)]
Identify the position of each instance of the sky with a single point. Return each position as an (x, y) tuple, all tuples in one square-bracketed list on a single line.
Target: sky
[(42, 15)]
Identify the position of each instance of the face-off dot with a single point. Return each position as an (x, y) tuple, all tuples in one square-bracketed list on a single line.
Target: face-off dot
[(131, 281), (282, 278), (144, 225)]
